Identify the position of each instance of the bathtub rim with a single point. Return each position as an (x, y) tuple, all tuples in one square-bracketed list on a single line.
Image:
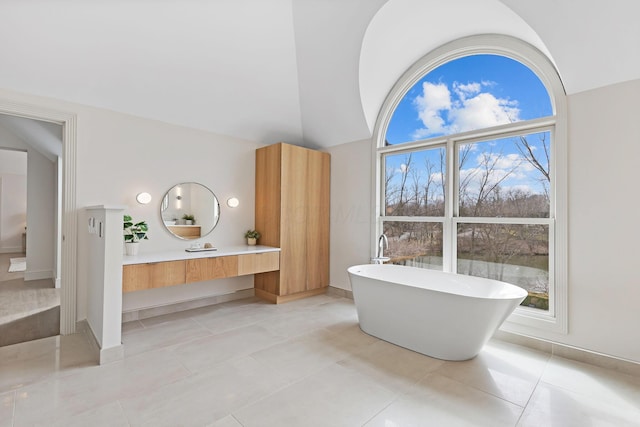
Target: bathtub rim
[(514, 291)]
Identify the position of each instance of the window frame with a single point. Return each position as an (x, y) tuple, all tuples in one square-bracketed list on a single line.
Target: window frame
[(524, 320)]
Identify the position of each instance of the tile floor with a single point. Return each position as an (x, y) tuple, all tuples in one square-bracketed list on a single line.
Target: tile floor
[(306, 363)]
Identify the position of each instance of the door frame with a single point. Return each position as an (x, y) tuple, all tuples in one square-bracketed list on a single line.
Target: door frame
[(68, 255)]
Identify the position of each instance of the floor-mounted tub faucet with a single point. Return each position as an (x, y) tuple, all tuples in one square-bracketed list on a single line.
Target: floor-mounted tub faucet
[(383, 243)]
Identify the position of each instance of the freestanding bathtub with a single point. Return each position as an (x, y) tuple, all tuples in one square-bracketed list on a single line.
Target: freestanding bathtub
[(443, 315)]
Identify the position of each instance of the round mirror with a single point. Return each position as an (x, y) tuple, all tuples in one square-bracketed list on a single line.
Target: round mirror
[(190, 210)]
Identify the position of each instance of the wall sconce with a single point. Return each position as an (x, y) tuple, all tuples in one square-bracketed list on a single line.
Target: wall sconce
[(233, 202), (143, 198)]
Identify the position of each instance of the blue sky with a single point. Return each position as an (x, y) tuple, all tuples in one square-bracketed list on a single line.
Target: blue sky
[(465, 91), (471, 93)]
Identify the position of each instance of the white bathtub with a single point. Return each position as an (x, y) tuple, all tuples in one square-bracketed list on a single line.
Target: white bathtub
[(443, 315)]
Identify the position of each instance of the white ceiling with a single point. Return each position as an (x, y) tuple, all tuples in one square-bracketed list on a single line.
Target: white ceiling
[(279, 70)]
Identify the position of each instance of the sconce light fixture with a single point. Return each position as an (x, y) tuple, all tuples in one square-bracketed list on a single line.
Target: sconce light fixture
[(143, 198), (233, 202)]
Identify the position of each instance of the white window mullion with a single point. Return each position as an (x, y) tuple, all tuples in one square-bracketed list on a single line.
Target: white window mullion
[(450, 210)]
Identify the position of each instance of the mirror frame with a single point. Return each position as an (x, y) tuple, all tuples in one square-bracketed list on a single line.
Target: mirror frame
[(164, 204)]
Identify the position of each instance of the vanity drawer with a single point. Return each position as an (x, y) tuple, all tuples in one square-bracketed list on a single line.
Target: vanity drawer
[(258, 263), (136, 277), (211, 268)]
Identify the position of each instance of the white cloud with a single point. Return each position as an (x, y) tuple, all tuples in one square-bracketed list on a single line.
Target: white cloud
[(470, 109), (463, 91), (482, 111), (506, 161), (435, 99), (437, 177)]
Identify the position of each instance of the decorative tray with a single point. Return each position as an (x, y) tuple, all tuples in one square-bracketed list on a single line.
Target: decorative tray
[(200, 249)]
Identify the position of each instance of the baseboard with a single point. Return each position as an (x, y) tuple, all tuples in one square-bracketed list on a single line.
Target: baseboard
[(339, 292), (278, 299), (101, 356), (38, 275), (601, 360), (145, 313), (16, 250)]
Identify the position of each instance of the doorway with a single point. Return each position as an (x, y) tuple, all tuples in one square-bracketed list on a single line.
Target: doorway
[(29, 195), (67, 220)]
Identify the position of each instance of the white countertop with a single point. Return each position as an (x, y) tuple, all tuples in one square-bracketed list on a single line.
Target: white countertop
[(180, 255)]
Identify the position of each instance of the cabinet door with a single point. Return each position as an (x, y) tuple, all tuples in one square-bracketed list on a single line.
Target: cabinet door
[(211, 268), (317, 220), (258, 263), (293, 259), (268, 182)]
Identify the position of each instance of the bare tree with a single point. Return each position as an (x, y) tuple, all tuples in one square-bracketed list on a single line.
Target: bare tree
[(404, 174), (528, 153)]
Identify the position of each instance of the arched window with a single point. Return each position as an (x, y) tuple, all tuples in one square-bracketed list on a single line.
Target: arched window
[(470, 148)]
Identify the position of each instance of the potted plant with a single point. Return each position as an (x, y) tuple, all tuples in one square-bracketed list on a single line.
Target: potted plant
[(133, 233), (188, 219), (252, 236)]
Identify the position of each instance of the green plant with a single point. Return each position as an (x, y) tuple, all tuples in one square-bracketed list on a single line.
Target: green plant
[(134, 232), (188, 217), (252, 234)]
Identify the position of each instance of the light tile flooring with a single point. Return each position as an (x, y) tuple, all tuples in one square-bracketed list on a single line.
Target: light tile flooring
[(305, 363)]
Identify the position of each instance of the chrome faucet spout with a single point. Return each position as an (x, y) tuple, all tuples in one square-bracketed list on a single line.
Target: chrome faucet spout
[(383, 243)]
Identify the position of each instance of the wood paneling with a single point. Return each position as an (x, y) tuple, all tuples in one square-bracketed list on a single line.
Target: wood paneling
[(211, 268)]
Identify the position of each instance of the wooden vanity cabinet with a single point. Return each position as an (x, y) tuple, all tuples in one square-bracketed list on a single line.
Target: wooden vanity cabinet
[(292, 212), (149, 275)]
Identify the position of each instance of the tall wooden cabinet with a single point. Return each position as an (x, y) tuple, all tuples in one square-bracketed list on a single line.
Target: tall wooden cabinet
[(292, 213)]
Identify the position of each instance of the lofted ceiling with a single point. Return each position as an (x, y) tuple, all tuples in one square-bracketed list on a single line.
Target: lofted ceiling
[(284, 70)]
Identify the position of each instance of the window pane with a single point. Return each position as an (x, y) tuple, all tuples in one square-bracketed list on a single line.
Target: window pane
[(517, 254), (418, 244), (414, 183), (507, 177), (474, 92)]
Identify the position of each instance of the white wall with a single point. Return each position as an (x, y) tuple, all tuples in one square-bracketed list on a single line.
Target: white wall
[(603, 208), (350, 209), (13, 199), (604, 148), (120, 156)]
